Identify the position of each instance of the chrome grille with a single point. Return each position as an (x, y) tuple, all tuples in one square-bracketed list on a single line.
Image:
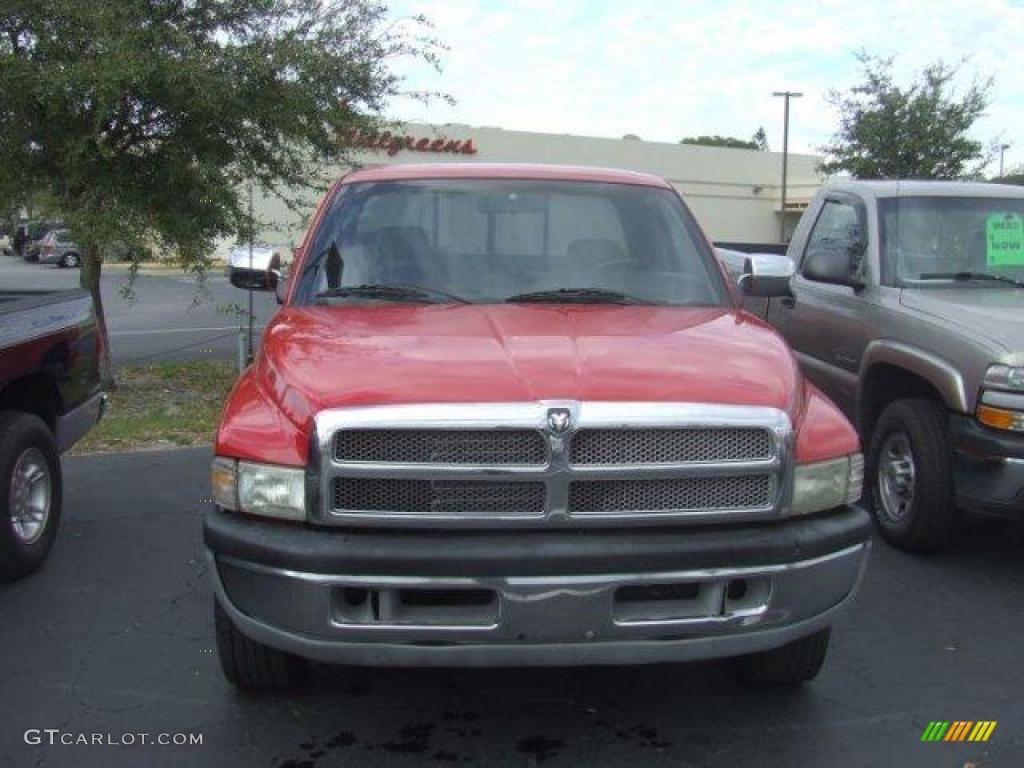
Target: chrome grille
[(441, 446), (449, 497), (671, 495), (496, 464), (594, 447)]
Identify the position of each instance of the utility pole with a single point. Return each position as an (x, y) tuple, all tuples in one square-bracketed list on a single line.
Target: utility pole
[(787, 95), (252, 233), (1002, 149)]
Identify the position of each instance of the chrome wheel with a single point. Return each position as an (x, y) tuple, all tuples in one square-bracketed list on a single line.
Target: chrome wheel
[(30, 494), (896, 473)]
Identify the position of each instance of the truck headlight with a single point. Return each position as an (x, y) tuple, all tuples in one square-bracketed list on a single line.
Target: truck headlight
[(1002, 400), (1004, 377), (827, 484), (259, 489)]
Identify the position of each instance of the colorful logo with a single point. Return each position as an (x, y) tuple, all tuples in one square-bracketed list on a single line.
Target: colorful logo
[(959, 730)]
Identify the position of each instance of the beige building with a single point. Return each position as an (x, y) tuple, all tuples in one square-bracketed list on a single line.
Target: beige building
[(735, 193)]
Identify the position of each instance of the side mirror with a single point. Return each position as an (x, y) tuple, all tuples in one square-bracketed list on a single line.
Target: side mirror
[(261, 273), (836, 263), (281, 289), (767, 275)]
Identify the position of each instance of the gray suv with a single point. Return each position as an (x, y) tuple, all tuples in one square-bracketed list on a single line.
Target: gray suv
[(907, 309), (60, 248)]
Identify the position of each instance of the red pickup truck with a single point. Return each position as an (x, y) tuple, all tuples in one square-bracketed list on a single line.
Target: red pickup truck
[(514, 415)]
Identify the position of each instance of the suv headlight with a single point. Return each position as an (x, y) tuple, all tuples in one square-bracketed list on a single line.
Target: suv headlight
[(827, 484), (1001, 405), (259, 489)]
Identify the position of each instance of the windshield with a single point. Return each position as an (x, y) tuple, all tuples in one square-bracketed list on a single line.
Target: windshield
[(489, 241), (925, 239)]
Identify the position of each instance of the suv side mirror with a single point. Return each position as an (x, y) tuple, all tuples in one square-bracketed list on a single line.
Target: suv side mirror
[(835, 262), (767, 276), (281, 289)]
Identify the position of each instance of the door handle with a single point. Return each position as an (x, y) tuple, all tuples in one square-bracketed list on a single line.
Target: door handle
[(788, 302)]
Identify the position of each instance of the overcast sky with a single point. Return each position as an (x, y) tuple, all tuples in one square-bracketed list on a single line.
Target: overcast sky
[(664, 70)]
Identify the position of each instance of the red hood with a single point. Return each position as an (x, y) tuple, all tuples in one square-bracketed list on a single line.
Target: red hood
[(321, 357)]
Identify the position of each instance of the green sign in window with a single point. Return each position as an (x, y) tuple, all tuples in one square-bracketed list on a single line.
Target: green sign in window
[(1004, 233)]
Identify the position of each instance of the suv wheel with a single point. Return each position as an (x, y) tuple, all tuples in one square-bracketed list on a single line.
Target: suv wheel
[(30, 493), (793, 664), (909, 476), (249, 664)]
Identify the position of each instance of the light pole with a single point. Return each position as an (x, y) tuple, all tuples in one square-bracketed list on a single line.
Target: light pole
[(1002, 149), (787, 95), (249, 354)]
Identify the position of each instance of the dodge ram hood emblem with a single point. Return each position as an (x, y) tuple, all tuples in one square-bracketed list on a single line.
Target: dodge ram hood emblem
[(559, 420)]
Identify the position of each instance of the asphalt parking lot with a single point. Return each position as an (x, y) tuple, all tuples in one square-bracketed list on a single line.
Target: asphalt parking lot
[(158, 316), (115, 635)]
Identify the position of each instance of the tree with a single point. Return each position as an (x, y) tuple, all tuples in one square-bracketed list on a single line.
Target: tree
[(920, 131), (720, 141), (760, 139), (145, 118)]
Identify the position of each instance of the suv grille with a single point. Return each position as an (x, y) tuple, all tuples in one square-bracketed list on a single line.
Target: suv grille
[(441, 446)]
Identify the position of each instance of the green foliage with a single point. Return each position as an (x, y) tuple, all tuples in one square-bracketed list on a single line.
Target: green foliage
[(162, 404), (920, 131), (720, 141), (143, 119)]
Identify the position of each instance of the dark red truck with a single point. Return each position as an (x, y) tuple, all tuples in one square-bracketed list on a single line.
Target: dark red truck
[(515, 415), (50, 396)]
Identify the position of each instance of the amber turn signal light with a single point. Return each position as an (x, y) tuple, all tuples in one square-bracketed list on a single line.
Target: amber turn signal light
[(999, 418)]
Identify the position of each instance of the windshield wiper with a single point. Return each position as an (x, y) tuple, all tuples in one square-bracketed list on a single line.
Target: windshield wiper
[(580, 296), (971, 276), (391, 293)]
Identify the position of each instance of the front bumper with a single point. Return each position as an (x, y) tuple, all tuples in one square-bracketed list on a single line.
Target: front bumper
[(988, 468), (538, 597)]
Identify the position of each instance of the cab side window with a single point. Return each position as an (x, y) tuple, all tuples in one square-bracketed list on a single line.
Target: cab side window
[(838, 228)]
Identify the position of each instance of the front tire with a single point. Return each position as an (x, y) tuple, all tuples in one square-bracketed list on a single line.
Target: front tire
[(909, 476), (30, 493), (70, 260), (791, 665), (249, 664)]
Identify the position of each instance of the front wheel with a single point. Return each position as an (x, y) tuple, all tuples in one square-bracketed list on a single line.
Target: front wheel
[(793, 664), (70, 260), (909, 476), (249, 664), (30, 493)]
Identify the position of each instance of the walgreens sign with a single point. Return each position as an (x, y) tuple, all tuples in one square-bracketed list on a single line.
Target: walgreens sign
[(393, 143)]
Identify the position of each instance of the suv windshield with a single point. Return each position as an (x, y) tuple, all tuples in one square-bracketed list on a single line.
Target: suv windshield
[(927, 239), (490, 241)]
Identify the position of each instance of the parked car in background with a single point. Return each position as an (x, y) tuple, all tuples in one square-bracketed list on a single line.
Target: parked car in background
[(35, 232), (58, 247), (50, 396), (514, 415), (6, 242), (907, 309)]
